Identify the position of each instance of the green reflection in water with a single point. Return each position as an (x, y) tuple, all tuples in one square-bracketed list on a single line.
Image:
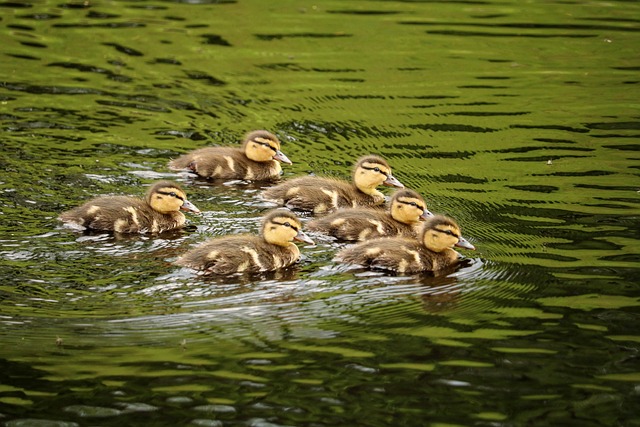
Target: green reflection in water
[(591, 301)]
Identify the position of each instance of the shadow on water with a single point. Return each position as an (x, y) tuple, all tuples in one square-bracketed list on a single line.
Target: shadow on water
[(519, 120)]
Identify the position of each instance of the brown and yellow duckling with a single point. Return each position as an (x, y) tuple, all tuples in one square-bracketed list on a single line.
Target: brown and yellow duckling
[(257, 160), (406, 211), (159, 211), (432, 251), (244, 253), (321, 195)]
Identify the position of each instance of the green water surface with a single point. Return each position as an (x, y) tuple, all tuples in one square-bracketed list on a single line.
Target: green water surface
[(519, 119)]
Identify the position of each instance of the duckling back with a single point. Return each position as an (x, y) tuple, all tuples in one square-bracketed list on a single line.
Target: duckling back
[(396, 254), (158, 212), (121, 214), (358, 224), (319, 195), (226, 163), (239, 254), (258, 159)]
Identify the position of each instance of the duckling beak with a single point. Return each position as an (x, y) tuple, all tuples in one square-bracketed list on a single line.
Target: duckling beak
[(301, 237), (391, 181), (190, 207), (463, 243), (426, 214), (281, 157)]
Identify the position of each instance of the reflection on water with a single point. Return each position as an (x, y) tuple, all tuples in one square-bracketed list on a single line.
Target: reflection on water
[(519, 120)]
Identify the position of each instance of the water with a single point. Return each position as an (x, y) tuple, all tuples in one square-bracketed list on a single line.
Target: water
[(521, 120)]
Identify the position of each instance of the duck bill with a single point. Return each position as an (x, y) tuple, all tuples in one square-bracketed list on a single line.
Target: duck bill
[(391, 181), (426, 214), (301, 237), (280, 156), (189, 207), (463, 243)]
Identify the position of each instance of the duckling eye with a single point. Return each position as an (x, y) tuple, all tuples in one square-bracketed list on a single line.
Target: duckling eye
[(287, 224), (266, 144), (171, 193), (376, 169), (449, 232), (414, 204)]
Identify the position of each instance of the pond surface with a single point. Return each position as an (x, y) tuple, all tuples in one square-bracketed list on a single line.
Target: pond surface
[(519, 119)]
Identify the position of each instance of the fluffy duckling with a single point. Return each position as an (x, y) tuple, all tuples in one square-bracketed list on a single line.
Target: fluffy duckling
[(406, 209), (321, 195), (159, 211), (272, 250), (431, 252), (258, 159)]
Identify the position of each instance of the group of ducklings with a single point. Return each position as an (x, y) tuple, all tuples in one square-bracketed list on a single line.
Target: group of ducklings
[(388, 239)]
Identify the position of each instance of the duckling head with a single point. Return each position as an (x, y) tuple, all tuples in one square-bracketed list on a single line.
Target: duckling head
[(281, 227), (263, 146), (167, 197), (371, 172), (441, 233), (409, 207)]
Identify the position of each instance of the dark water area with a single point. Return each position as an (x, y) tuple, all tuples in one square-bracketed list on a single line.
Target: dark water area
[(519, 119)]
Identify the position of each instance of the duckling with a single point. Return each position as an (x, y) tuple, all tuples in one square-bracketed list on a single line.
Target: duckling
[(322, 195), (272, 250), (406, 209), (432, 251), (159, 211), (258, 159)]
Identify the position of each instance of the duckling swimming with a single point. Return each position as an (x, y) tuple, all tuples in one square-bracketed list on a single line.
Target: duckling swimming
[(432, 251), (258, 159), (159, 211), (406, 211), (321, 195), (272, 250)]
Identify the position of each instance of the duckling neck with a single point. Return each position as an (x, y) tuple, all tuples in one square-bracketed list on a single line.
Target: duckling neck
[(277, 167), (178, 217), (288, 248), (278, 242), (371, 191), (294, 249)]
